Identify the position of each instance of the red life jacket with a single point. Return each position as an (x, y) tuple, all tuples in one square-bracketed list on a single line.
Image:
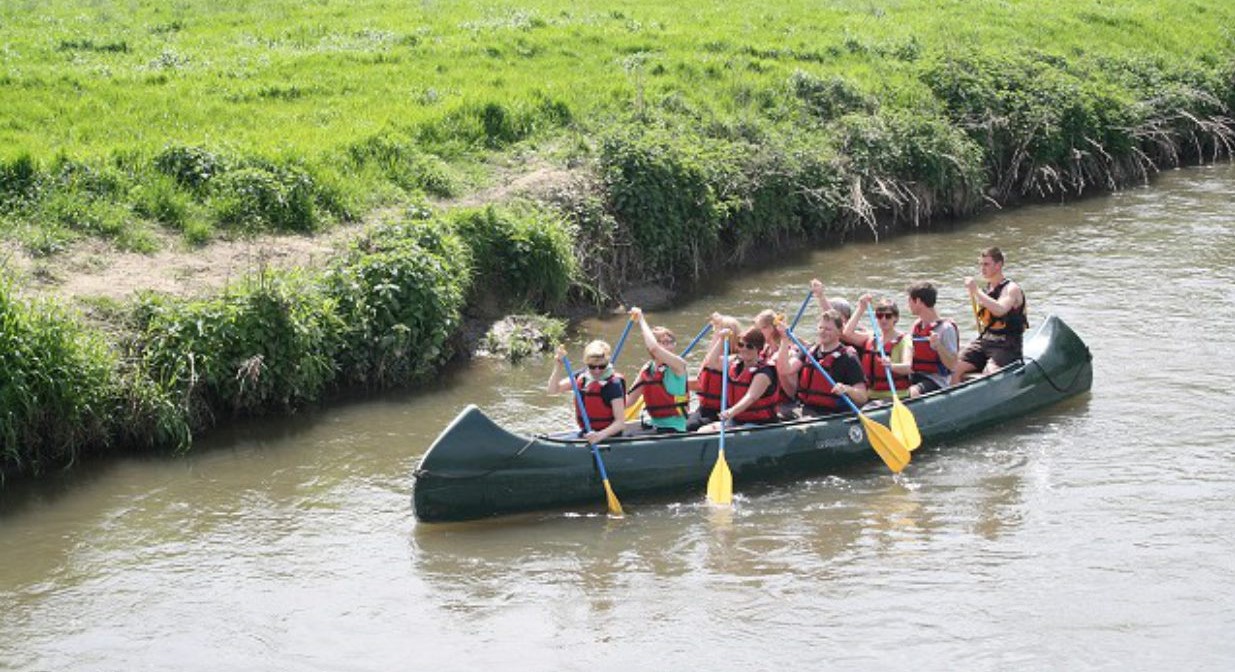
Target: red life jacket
[(873, 367), (925, 358), (766, 355), (764, 408), (599, 413), (657, 400), (813, 389), (709, 390)]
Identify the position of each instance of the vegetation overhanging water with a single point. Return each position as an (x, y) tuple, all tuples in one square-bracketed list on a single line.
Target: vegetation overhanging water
[(693, 135)]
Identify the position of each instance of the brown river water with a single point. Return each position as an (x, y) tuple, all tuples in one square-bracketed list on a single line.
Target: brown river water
[(1094, 535)]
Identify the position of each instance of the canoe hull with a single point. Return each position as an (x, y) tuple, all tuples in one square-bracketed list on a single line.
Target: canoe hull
[(476, 469)]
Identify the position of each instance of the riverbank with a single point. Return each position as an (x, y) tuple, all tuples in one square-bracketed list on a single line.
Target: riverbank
[(719, 150)]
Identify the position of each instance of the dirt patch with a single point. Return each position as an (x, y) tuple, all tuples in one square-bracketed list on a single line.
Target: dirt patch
[(93, 269), (534, 182)]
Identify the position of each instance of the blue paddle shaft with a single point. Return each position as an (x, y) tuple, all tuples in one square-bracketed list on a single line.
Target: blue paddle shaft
[(702, 332), (621, 342), (801, 310), (820, 369), (870, 312), (574, 385), (587, 424)]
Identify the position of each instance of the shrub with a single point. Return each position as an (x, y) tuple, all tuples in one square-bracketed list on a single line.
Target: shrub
[(400, 292), (906, 161), (270, 343), (659, 186), (829, 98), (262, 198), (403, 164), (56, 384), (522, 255), (20, 181), (192, 167), (160, 199), (1043, 127)]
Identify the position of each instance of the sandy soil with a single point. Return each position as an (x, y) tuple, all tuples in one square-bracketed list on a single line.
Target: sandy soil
[(93, 268)]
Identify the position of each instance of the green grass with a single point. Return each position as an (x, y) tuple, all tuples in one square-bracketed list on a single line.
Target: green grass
[(273, 77)]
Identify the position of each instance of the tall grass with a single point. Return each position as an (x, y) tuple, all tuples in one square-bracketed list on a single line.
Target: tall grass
[(57, 384)]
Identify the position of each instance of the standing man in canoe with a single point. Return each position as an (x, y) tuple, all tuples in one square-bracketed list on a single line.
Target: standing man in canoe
[(662, 381), (603, 391), (1000, 309)]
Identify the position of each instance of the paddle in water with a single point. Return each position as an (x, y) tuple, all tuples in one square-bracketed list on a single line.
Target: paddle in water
[(720, 483), (615, 507), (885, 443), (904, 425)]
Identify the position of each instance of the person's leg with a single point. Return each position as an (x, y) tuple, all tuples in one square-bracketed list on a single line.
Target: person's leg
[(971, 359), (1003, 355), (922, 384)]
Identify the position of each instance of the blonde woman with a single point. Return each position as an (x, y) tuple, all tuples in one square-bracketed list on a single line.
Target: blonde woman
[(603, 391)]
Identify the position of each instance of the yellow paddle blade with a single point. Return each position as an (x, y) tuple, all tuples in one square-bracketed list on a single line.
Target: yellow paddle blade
[(886, 444), (905, 426), (720, 483), (615, 507), (635, 409)]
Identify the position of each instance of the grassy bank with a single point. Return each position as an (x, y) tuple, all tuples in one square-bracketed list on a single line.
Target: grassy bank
[(695, 132), (385, 313)]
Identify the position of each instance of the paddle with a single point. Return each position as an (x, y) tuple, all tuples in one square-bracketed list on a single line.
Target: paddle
[(720, 483), (615, 507), (881, 438), (973, 301), (801, 310), (904, 425), (636, 408), (621, 341)]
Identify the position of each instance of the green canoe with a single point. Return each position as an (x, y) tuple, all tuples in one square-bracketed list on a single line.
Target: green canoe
[(477, 469)]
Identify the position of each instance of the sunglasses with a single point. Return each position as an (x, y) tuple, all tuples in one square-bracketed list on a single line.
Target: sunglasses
[(884, 314), (745, 345), (598, 367)]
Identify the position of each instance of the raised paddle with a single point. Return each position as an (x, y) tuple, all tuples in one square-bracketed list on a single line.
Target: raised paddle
[(617, 351), (801, 309), (904, 425), (881, 438), (615, 507), (720, 483), (636, 408)]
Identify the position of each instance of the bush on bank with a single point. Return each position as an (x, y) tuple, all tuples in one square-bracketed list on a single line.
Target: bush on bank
[(385, 313), (57, 384)]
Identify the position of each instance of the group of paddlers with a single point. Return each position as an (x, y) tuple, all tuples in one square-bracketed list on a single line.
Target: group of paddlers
[(772, 376)]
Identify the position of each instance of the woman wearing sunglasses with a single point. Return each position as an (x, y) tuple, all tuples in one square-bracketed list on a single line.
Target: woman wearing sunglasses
[(752, 382), (817, 395), (707, 385), (603, 391), (662, 381), (897, 352)]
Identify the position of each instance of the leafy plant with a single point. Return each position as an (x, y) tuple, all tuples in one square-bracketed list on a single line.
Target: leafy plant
[(522, 255)]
